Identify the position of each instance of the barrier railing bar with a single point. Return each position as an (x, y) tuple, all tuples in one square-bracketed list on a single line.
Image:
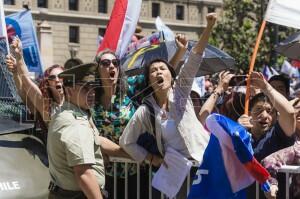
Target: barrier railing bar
[(287, 169), (115, 180), (126, 180), (138, 181)]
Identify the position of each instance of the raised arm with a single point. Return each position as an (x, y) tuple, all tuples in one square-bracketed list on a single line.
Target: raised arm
[(287, 116), (182, 44), (27, 87), (208, 106), (11, 65), (191, 66), (201, 44)]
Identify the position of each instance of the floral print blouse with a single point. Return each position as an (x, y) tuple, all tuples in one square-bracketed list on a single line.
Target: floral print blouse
[(111, 123), (286, 156)]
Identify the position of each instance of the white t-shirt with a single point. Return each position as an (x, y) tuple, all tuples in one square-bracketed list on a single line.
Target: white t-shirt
[(170, 135)]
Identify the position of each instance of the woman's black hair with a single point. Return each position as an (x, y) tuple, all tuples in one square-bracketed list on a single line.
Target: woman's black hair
[(149, 89), (121, 83)]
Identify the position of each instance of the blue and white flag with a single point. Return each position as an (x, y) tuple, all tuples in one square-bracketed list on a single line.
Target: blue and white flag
[(21, 24), (228, 165)]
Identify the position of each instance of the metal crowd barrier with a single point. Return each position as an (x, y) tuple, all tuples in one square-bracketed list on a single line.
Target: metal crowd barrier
[(126, 161), (287, 169)]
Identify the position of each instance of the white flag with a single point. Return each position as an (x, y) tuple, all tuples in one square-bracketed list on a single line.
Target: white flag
[(284, 12), (288, 69), (161, 26)]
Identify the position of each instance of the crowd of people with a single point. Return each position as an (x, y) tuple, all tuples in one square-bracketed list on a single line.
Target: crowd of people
[(87, 114)]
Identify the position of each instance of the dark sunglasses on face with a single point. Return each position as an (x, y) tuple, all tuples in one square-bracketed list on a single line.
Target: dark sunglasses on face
[(107, 62), (53, 77)]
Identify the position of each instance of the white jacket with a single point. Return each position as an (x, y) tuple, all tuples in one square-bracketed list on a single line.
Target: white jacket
[(181, 109)]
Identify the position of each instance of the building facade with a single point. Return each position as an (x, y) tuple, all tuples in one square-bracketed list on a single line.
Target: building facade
[(68, 28)]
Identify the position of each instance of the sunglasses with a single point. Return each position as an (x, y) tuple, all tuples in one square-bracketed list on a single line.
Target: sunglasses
[(107, 62), (53, 77)]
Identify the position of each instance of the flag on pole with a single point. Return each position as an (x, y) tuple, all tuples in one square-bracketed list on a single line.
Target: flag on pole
[(21, 24), (152, 39), (284, 12), (228, 164), (167, 32), (268, 72), (4, 47), (121, 27), (288, 69)]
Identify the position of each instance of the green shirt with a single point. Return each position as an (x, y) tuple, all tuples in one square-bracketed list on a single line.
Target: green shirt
[(73, 141)]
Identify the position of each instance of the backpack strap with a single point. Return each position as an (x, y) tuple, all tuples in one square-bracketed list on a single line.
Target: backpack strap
[(152, 115)]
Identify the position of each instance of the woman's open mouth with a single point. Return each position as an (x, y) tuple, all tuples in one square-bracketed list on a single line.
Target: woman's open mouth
[(160, 80), (112, 74), (58, 87)]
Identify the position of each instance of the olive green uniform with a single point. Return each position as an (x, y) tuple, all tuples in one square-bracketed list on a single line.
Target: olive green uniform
[(72, 140)]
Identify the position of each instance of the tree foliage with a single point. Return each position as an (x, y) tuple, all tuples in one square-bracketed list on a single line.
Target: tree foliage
[(238, 28)]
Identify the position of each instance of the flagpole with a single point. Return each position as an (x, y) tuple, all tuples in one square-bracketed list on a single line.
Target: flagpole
[(251, 67), (3, 32)]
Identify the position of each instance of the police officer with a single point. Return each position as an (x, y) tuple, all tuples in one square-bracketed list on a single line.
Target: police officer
[(75, 159)]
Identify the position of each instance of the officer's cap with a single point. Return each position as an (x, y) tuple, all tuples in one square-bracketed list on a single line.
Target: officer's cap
[(83, 73)]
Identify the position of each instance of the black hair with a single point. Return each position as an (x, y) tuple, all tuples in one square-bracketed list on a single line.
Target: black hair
[(149, 89), (260, 97), (283, 78), (121, 83)]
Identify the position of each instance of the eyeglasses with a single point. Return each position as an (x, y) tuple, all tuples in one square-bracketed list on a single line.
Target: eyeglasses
[(107, 62), (53, 77)]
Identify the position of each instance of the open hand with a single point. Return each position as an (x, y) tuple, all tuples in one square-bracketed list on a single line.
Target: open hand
[(257, 80), (224, 79)]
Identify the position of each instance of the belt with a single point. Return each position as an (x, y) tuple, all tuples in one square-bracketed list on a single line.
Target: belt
[(53, 188)]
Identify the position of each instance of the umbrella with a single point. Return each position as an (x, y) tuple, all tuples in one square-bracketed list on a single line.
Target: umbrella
[(215, 60), (290, 47)]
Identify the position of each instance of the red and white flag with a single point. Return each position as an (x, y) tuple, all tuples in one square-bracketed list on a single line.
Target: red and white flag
[(284, 12), (121, 27)]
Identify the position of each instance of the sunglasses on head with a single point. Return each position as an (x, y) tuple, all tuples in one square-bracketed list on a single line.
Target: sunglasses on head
[(53, 77), (107, 62)]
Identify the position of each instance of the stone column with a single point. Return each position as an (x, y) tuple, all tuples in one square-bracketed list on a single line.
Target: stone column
[(46, 43), (204, 13)]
